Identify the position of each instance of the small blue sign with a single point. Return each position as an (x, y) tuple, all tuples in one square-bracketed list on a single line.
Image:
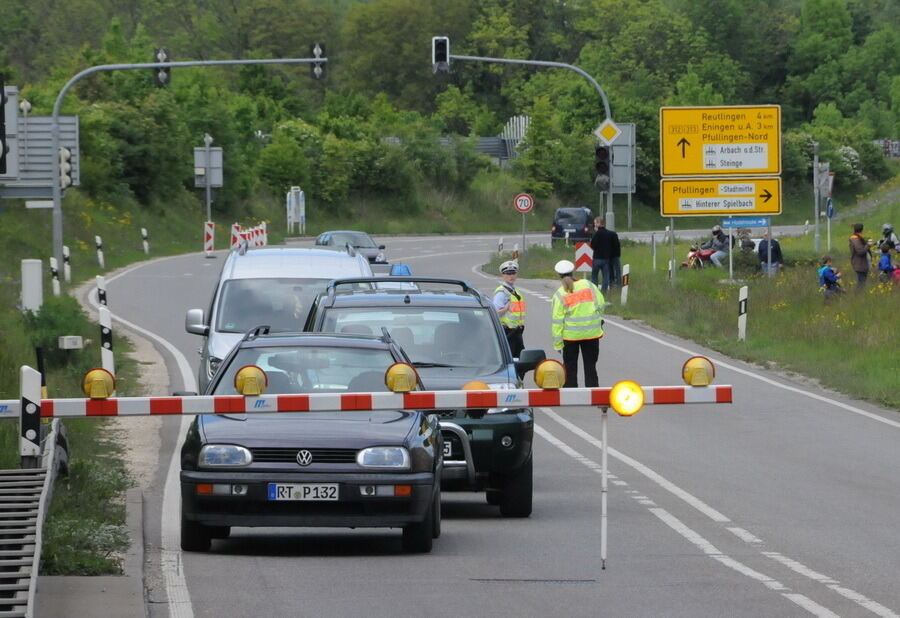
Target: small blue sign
[(829, 208), (746, 222)]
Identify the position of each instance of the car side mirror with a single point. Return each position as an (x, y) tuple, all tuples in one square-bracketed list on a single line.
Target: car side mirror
[(529, 359), (381, 246), (194, 322), (184, 394)]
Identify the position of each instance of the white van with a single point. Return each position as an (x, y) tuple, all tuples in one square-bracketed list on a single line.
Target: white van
[(273, 286)]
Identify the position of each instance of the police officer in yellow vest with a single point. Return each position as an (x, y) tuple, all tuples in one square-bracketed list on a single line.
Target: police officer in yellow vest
[(577, 324), (510, 306)]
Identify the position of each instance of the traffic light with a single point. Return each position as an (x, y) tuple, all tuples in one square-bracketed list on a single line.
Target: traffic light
[(440, 54), (4, 148), (65, 168), (161, 74), (317, 69), (602, 167)]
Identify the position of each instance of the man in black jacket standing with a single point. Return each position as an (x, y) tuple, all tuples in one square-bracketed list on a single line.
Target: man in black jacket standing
[(605, 244)]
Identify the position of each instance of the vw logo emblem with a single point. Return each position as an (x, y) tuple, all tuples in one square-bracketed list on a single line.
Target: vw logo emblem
[(304, 457)]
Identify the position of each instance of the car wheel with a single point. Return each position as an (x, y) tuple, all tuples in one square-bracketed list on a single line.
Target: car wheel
[(436, 508), (417, 537), (194, 536), (515, 497)]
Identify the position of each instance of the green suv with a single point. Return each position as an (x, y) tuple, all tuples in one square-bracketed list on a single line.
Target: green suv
[(452, 335)]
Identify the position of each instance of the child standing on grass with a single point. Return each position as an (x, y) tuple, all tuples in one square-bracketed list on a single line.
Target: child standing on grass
[(829, 279), (886, 269)]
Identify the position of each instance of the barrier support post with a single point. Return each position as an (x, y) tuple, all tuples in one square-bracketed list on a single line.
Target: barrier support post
[(604, 479), (30, 418)]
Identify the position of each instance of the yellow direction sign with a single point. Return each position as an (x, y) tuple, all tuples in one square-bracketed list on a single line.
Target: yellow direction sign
[(713, 141), (720, 196)]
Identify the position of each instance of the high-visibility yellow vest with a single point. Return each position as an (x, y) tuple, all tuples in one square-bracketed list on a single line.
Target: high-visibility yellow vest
[(577, 314), (515, 314)]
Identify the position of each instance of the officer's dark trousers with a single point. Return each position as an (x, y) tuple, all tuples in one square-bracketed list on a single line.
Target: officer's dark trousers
[(516, 342), (590, 351)]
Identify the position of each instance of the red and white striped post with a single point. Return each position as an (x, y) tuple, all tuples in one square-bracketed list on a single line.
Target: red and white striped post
[(209, 234)]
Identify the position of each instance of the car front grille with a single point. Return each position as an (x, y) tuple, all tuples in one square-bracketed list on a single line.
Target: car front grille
[(289, 455)]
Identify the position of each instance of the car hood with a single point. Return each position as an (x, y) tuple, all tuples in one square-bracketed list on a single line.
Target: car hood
[(453, 378), (334, 429), (220, 343)]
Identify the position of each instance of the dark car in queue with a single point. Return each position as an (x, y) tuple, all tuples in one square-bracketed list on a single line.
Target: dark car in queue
[(319, 468), (574, 223), (453, 337), (361, 241)]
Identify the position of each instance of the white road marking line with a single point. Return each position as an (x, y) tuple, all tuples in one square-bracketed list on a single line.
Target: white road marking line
[(713, 514), (744, 535), (177, 593), (696, 539), (799, 568), (656, 478)]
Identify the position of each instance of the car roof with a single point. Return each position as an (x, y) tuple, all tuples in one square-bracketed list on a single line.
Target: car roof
[(293, 262), (448, 292), (294, 340)]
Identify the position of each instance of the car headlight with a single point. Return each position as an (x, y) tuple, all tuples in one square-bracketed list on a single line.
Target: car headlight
[(213, 455), (380, 257), (503, 386), (383, 457), (212, 365)]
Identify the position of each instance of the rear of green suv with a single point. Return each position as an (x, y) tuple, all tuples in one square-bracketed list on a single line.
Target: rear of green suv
[(453, 337)]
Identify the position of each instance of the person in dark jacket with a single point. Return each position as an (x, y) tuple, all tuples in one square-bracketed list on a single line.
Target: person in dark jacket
[(763, 252), (860, 255), (606, 248)]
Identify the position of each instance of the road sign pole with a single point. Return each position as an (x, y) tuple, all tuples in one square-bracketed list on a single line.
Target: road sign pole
[(816, 240), (730, 255), (523, 241), (672, 246)]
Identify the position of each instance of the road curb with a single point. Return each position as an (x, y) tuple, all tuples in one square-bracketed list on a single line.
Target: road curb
[(133, 562)]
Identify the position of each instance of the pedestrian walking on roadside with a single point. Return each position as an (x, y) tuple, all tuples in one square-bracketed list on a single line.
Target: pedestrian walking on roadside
[(860, 255), (607, 252), (510, 306), (577, 324), (763, 253)]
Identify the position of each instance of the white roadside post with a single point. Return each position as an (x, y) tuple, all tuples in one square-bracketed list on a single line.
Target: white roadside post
[(54, 276), (671, 262), (32, 285), (99, 243), (145, 240), (500, 245), (67, 267), (106, 341), (101, 291), (626, 276), (742, 313)]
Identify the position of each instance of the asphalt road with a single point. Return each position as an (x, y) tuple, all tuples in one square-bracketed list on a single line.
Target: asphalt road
[(784, 503)]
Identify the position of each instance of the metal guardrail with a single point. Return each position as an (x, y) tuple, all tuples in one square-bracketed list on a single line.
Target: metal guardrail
[(24, 497)]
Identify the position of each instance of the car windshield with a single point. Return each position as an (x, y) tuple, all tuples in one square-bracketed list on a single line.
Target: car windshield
[(280, 303), (311, 369), (450, 337), (570, 216), (354, 239)]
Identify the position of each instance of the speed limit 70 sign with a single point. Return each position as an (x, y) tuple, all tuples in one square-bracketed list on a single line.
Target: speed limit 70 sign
[(523, 202)]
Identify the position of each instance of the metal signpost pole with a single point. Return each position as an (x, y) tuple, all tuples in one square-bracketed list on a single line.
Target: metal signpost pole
[(610, 215), (54, 130), (816, 241), (208, 140), (523, 241)]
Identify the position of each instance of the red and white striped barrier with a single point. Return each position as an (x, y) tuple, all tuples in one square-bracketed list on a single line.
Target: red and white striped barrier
[(417, 400), (584, 257), (235, 235), (257, 236)]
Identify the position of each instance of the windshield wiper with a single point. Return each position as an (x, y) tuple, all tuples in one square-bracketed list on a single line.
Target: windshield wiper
[(417, 364)]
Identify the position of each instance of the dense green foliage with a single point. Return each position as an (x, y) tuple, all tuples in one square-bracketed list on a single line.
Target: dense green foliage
[(833, 65)]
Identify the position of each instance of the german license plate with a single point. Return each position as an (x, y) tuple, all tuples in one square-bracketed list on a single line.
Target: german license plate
[(310, 492), (448, 448)]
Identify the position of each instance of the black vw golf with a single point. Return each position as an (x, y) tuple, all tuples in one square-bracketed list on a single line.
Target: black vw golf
[(317, 468)]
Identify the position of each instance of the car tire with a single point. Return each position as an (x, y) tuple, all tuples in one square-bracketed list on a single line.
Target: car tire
[(436, 508), (418, 536), (194, 536), (516, 494)]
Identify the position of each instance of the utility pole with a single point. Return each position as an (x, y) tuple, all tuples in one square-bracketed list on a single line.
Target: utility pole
[(816, 239)]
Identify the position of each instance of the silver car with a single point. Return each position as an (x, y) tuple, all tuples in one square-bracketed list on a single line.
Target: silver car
[(272, 286), (362, 242)]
